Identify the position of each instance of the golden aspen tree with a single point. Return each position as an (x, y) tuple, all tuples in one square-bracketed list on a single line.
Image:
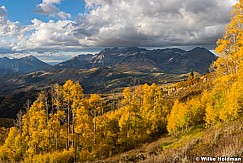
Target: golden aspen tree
[(77, 102), (211, 115), (197, 111), (12, 147), (96, 107), (138, 95), (229, 67), (233, 107), (54, 126), (214, 103), (19, 126), (131, 111), (229, 46), (83, 127), (172, 125), (26, 124), (127, 96), (67, 99), (55, 97), (148, 110), (138, 125), (102, 147), (185, 115), (123, 119), (43, 98), (72, 94), (127, 130), (38, 128), (112, 128)]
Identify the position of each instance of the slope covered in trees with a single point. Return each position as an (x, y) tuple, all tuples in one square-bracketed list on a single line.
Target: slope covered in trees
[(78, 128), (224, 102)]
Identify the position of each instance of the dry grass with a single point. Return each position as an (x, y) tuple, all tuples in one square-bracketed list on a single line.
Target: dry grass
[(220, 140)]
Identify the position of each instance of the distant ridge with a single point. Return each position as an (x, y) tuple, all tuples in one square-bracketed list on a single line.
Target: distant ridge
[(80, 61), (22, 65), (175, 61)]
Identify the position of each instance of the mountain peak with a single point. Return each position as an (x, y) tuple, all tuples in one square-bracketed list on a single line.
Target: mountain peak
[(29, 57), (22, 65), (5, 58), (199, 49)]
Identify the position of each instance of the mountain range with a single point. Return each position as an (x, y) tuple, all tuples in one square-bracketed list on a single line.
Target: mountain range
[(110, 70), (172, 61)]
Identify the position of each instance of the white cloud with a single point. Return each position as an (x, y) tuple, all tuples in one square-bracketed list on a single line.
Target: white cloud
[(64, 15), (47, 7), (9, 31), (155, 22), (51, 1), (144, 23), (49, 35)]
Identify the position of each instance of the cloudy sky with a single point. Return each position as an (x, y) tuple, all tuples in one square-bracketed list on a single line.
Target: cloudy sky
[(59, 29)]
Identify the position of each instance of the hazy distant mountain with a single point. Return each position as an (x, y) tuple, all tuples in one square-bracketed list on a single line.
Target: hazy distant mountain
[(175, 61), (22, 65)]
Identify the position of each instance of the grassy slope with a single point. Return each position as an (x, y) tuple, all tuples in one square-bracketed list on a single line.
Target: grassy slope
[(221, 140)]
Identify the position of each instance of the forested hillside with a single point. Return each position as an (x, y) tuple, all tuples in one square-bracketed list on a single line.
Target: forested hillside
[(66, 125), (80, 128)]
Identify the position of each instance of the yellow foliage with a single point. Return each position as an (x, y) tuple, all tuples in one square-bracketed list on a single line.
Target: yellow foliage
[(185, 115), (229, 46), (60, 157), (95, 103), (12, 149), (127, 96), (176, 120), (233, 106), (225, 98)]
